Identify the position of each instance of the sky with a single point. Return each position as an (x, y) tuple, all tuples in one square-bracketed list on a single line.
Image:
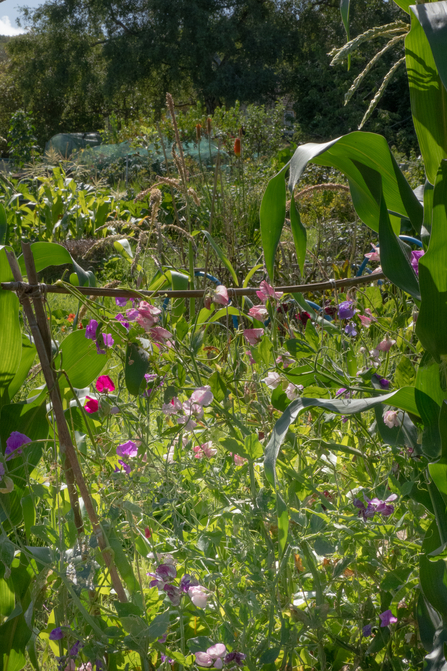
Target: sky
[(9, 11)]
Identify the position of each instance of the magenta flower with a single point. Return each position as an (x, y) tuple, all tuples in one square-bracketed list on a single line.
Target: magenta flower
[(346, 310), (415, 256), (121, 318), (235, 657), (125, 466), (147, 315), (202, 395), (387, 618), (160, 334), (56, 634), (366, 321), (92, 405), (253, 336), (266, 291), (128, 449), (350, 329), (384, 383), (384, 507), (166, 572), (258, 312), (104, 383), (174, 407), (15, 441), (91, 328), (121, 302), (132, 314), (205, 450)]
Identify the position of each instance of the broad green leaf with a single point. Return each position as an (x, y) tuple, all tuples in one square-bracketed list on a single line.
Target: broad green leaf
[(431, 326), (80, 360), (123, 565), (221, 256), (403, 4), (51, 254), (299, 348), (179, 282), (272, 216), (123, 247), (14, 635), (428, 98), (283, 522), (253, 447), (428, 622), (224, 312), (360, 156), (394, 257), (438, 472), (10, 331), (433, 574), (433, 18), (28, 356), (137, 363), (403, 398), (443, 429)]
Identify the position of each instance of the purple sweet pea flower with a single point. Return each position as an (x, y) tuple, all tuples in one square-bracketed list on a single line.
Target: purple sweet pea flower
[(91, 328), (350, 329), (346, 310), (108, 341), (367, 630), (235, 657), (415, 256), (56, 634), (128, 449), (384, 383), (387, 618), (365, 511), (15, 441), (163, 638), (121, 301), (187, 581), (74, 651), (126, 467), (132, 314), (173, 593), (384, 507), (166, 572), (164, 658), (121, 318)]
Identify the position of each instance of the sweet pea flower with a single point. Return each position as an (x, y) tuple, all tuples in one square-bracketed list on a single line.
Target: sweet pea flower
[(127, 468), (87, 666), (375, 255), (220, 295), (272, 380), (387, 618), (284, 360), (391, 418), (350, 329), (121, 302), (199, 595), (384, 507), (128, 449), (238, 460), (235, 657), (104, 383), (303, 317), (384, 383), (106, 339), (15, 441), (173, 593), (56, 634), (165, 658), (415, 256), (166, 572), (190, 408), (366, 321), (174, 407), (258, 312), (212, 657), (205, 450), (187, 581), (91, 328), (367, 630), (250, 357), (293, 390), (202, 395), (92, 405), (121, 318), (160, 334), (147, 532), (346, 310), (132, 314), (2, 471), (266, 291), (147, 315), (386, 344), (71, 666), (367, 511), (253, 336), (189, 423)]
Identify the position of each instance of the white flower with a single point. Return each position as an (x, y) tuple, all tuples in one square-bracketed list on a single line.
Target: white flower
[(391, 418), (293, 391), (272, 380), (199, 595)]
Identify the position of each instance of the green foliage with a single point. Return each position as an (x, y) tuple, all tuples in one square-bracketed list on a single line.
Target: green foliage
[(22, 142)]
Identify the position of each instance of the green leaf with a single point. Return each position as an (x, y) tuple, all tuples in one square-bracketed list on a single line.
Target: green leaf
[(394, 257), (299, 234), (299, 348), (428, 621), (272, 216), (178, 282), (253, 447), (428, 97), (10, 331), (158, 626), (403, 4), (405, 373), (80, 360), (123, 565), (221, 256), (218, 386), (360, 156), (137, 363), (14, 635), (3, 226), (443, 429), (283, 522), (28, 356), (51, 254), (123, 247), (311, 335), (433, 18), (344, 11), (403, 398), (431, 325)]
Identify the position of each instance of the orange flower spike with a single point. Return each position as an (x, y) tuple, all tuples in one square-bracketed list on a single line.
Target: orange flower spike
[(237, 146)]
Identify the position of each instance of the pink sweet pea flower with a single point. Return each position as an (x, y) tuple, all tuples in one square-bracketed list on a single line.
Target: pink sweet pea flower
[(391, 418), (205, 450), (92, 405), (174, 407), (415, 256), (202, 395), (160, 334), (252, 336), (250, 357), (375, 255), (272, 380), (238, 460), (366, 321), (258, 312), (220, 295), (189, 423), (190, 408), (387, 618), (386, 344), (199, 595), (266, 291), (147, 315), (293, 391), (104, 383)]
